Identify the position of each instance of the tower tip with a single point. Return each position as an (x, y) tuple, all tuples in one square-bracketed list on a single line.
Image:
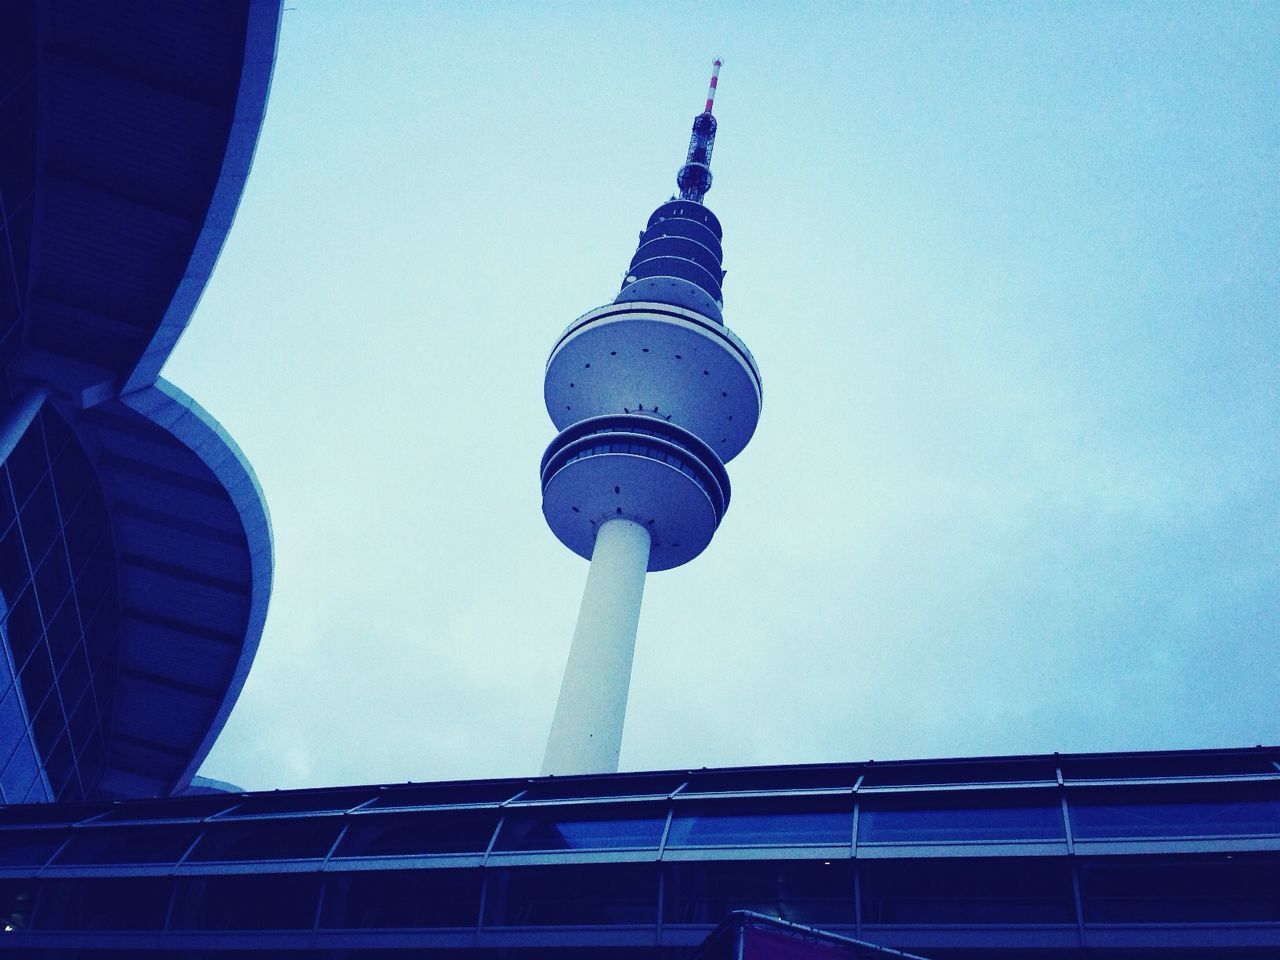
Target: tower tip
[(711, 90)]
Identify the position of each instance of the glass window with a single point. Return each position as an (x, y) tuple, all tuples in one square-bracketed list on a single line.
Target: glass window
[(246, 902), (624, 893), (568, 828), (161, 843), (118, 903), (51, 813), (962, 890), (410, 834), (742, 781), (446, 794), (587, 788), (1220, 888), (29, 848), (327, 801), (16, 897), (748, 824), (177, 808), (307, 839), (803, 891), (25, 629), (977, 818), (944, 772), (1217, 812), (41, 525), (402, 898), (1165, 767)]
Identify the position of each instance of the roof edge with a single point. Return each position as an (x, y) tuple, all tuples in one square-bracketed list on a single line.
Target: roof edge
[(190, 424), (262, 32)]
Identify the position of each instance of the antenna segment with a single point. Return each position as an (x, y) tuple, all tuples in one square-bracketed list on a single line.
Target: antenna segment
[(694, 178), (711, 92)]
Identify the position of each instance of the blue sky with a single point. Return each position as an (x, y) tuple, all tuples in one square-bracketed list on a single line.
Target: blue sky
[(1010, 273)]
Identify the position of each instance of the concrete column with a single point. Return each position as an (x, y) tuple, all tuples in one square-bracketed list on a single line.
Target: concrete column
[(586, 733)]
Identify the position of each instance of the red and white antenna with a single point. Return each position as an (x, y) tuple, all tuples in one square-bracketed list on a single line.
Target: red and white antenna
[(711, 91)]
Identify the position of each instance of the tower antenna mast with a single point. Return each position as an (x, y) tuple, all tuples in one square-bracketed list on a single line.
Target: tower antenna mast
[(694, 178)]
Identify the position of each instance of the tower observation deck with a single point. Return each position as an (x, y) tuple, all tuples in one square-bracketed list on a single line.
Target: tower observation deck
[(652, 395)]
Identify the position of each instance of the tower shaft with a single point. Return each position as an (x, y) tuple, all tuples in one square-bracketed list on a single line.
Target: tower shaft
[(586, 733)]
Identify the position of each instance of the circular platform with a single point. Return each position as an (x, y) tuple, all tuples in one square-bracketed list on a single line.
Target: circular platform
[(659, 361), (636, 468)]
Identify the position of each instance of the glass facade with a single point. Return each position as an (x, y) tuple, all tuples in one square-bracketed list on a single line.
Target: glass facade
[(58, 583), (650, 864)]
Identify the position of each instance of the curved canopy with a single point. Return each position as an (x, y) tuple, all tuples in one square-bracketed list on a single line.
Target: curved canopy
[(126, 135)]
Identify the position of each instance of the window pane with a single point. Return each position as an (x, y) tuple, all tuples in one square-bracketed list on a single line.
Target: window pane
[(1220, 888), (177, 808), (800, 891), (402, 898), (29, 848), (706, 825), (152, 844), (395, 834), (446, 794), (585, 788), (268, 840), (1210, 813), (987, 771), (16, 897), (126, 903), (247, 902), (742, 781), (981, 818), (1021, 890), (578, 895), (1165, 767), (327, 801), (583, 829)]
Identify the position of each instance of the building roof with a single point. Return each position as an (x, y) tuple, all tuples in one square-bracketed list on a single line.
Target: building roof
[(1125, 855)]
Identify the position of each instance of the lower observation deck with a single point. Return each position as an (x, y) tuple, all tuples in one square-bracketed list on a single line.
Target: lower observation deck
[(638, 468), (1147, 855)]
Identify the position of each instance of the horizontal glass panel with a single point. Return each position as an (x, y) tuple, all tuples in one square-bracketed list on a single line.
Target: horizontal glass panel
[(570, 828), (1165, 767), (119, 903), (389, 899), (968, 891), (974, 818), (924, 774), (246, 902), (408, 834), (161, 843), (784, 778), (587, 788), (1215, 889), (446, 794), (801, 891), (311, 801), (578, 895), (16, 897), (267, 840), (177, 808), (1209, 813), (714, 825), (40, 813), (29, 848)]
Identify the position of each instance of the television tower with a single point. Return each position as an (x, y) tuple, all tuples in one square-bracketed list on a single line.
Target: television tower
[(652, 395)]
